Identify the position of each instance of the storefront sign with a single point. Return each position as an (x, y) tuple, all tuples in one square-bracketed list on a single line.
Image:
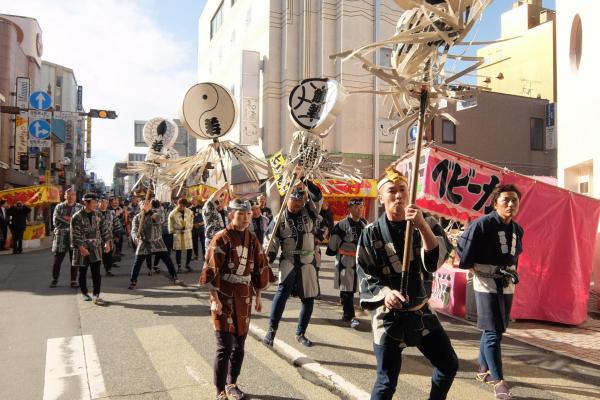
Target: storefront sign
[(21, 136), (23, 89)]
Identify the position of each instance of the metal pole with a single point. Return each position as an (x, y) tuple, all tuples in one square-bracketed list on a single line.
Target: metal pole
[(376, 27)]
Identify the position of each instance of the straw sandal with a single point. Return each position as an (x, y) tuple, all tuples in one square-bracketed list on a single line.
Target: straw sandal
[(502, 391)]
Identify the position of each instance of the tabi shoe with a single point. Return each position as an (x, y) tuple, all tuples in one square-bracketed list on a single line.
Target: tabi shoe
[(132, 285), (108, 273), (502, 391), (304, 341), (74, 284), (354, 324), (269, 337), (222, 396), (234, 392), (53, 283), (87, 297)]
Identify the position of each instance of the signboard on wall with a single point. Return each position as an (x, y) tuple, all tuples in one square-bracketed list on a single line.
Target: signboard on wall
[(550, 126), (249, 95), (21, 136), (22, 92)]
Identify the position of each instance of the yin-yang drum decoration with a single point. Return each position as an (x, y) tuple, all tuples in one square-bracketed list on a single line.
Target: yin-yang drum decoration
[(208, 111)]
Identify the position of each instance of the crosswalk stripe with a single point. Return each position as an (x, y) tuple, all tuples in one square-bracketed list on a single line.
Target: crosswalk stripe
[(72, 369), (183, 372)]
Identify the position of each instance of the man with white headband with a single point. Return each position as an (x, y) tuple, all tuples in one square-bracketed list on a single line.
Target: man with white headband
[(398, 301)]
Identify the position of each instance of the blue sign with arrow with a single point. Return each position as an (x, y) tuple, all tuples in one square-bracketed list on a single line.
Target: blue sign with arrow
[(39, 129), (412, 133), (40, 100)]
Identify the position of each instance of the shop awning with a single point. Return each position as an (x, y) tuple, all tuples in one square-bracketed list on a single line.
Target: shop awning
[(32, 195)]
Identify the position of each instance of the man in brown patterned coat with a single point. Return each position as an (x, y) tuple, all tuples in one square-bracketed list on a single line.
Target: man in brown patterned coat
[(235, 269)]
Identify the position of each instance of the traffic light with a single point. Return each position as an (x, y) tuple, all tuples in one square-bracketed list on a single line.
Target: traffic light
[(106, 114)]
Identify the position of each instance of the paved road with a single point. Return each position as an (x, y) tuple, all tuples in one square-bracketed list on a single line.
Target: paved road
[(157, 343)]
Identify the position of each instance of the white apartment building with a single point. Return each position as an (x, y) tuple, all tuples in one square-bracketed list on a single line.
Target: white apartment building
[(261, 49)]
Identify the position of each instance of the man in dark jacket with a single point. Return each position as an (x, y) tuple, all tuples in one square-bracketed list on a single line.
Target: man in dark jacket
[(18, 222), (3, 223)]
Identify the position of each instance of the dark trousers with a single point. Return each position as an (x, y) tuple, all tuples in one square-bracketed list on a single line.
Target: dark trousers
[(283, 292), (347, 305), (120, 243), (96, 278), (490, 354), (168, 239), (139, 260), (195, 238), (229, 359), (107, 260), (17, 237), (58, 259), (435, 347), (188, 257), (3, 233)]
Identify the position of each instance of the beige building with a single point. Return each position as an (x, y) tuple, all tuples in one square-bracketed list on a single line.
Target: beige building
[(502, 129), (527, 64), (20, 57)]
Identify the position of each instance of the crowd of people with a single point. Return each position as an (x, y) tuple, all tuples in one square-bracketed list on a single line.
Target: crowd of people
[(237, 240)]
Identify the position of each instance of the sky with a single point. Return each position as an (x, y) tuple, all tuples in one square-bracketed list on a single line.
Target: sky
[(138, 57)]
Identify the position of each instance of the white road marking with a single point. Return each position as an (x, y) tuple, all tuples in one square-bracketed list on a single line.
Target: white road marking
[(73, 369)]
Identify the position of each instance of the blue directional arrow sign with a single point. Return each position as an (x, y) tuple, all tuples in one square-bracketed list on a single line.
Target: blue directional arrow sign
[(39, 129), (40, 100), (412, 133)]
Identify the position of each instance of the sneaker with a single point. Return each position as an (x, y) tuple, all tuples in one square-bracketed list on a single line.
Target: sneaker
[(354, 324), (502, 391), (108, 273), (98, 301), (304, 341), (269, 337), (234, 393), (87, 297), (53, 283), (132, 286)]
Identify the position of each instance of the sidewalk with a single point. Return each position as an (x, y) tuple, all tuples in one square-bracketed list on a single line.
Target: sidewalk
[(342, 358)]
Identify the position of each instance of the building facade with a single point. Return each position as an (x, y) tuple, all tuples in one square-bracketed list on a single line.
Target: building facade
[(526, 60), (67, 155), (20, 57), (484, 133)]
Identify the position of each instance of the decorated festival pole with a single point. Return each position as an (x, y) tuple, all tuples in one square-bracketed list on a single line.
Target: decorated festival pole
[(280, 213), (423, 100)]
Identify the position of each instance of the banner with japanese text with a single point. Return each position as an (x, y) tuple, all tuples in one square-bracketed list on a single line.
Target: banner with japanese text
[(277, 163), (560, 229)]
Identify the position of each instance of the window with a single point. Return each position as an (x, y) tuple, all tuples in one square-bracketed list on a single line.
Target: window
[(216, 21), (536, 133), (448, 132), (584, 187)]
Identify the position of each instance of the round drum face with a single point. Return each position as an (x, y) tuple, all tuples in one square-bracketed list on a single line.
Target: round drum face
[(160, 133), (208, 111)]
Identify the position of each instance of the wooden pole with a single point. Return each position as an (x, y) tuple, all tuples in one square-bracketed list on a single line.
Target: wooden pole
[(414, 182)]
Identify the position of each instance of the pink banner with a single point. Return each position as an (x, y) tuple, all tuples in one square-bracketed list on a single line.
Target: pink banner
[(560, 230)]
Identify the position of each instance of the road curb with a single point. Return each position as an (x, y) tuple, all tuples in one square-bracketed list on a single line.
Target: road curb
[(312, 370)]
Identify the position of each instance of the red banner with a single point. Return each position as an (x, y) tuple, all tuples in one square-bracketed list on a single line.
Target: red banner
[(560, 229)]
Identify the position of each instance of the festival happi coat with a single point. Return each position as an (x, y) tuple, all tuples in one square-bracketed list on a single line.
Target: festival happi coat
[(149, 236), (61, 242), (88, 230), (235, 267), (342, 243)]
